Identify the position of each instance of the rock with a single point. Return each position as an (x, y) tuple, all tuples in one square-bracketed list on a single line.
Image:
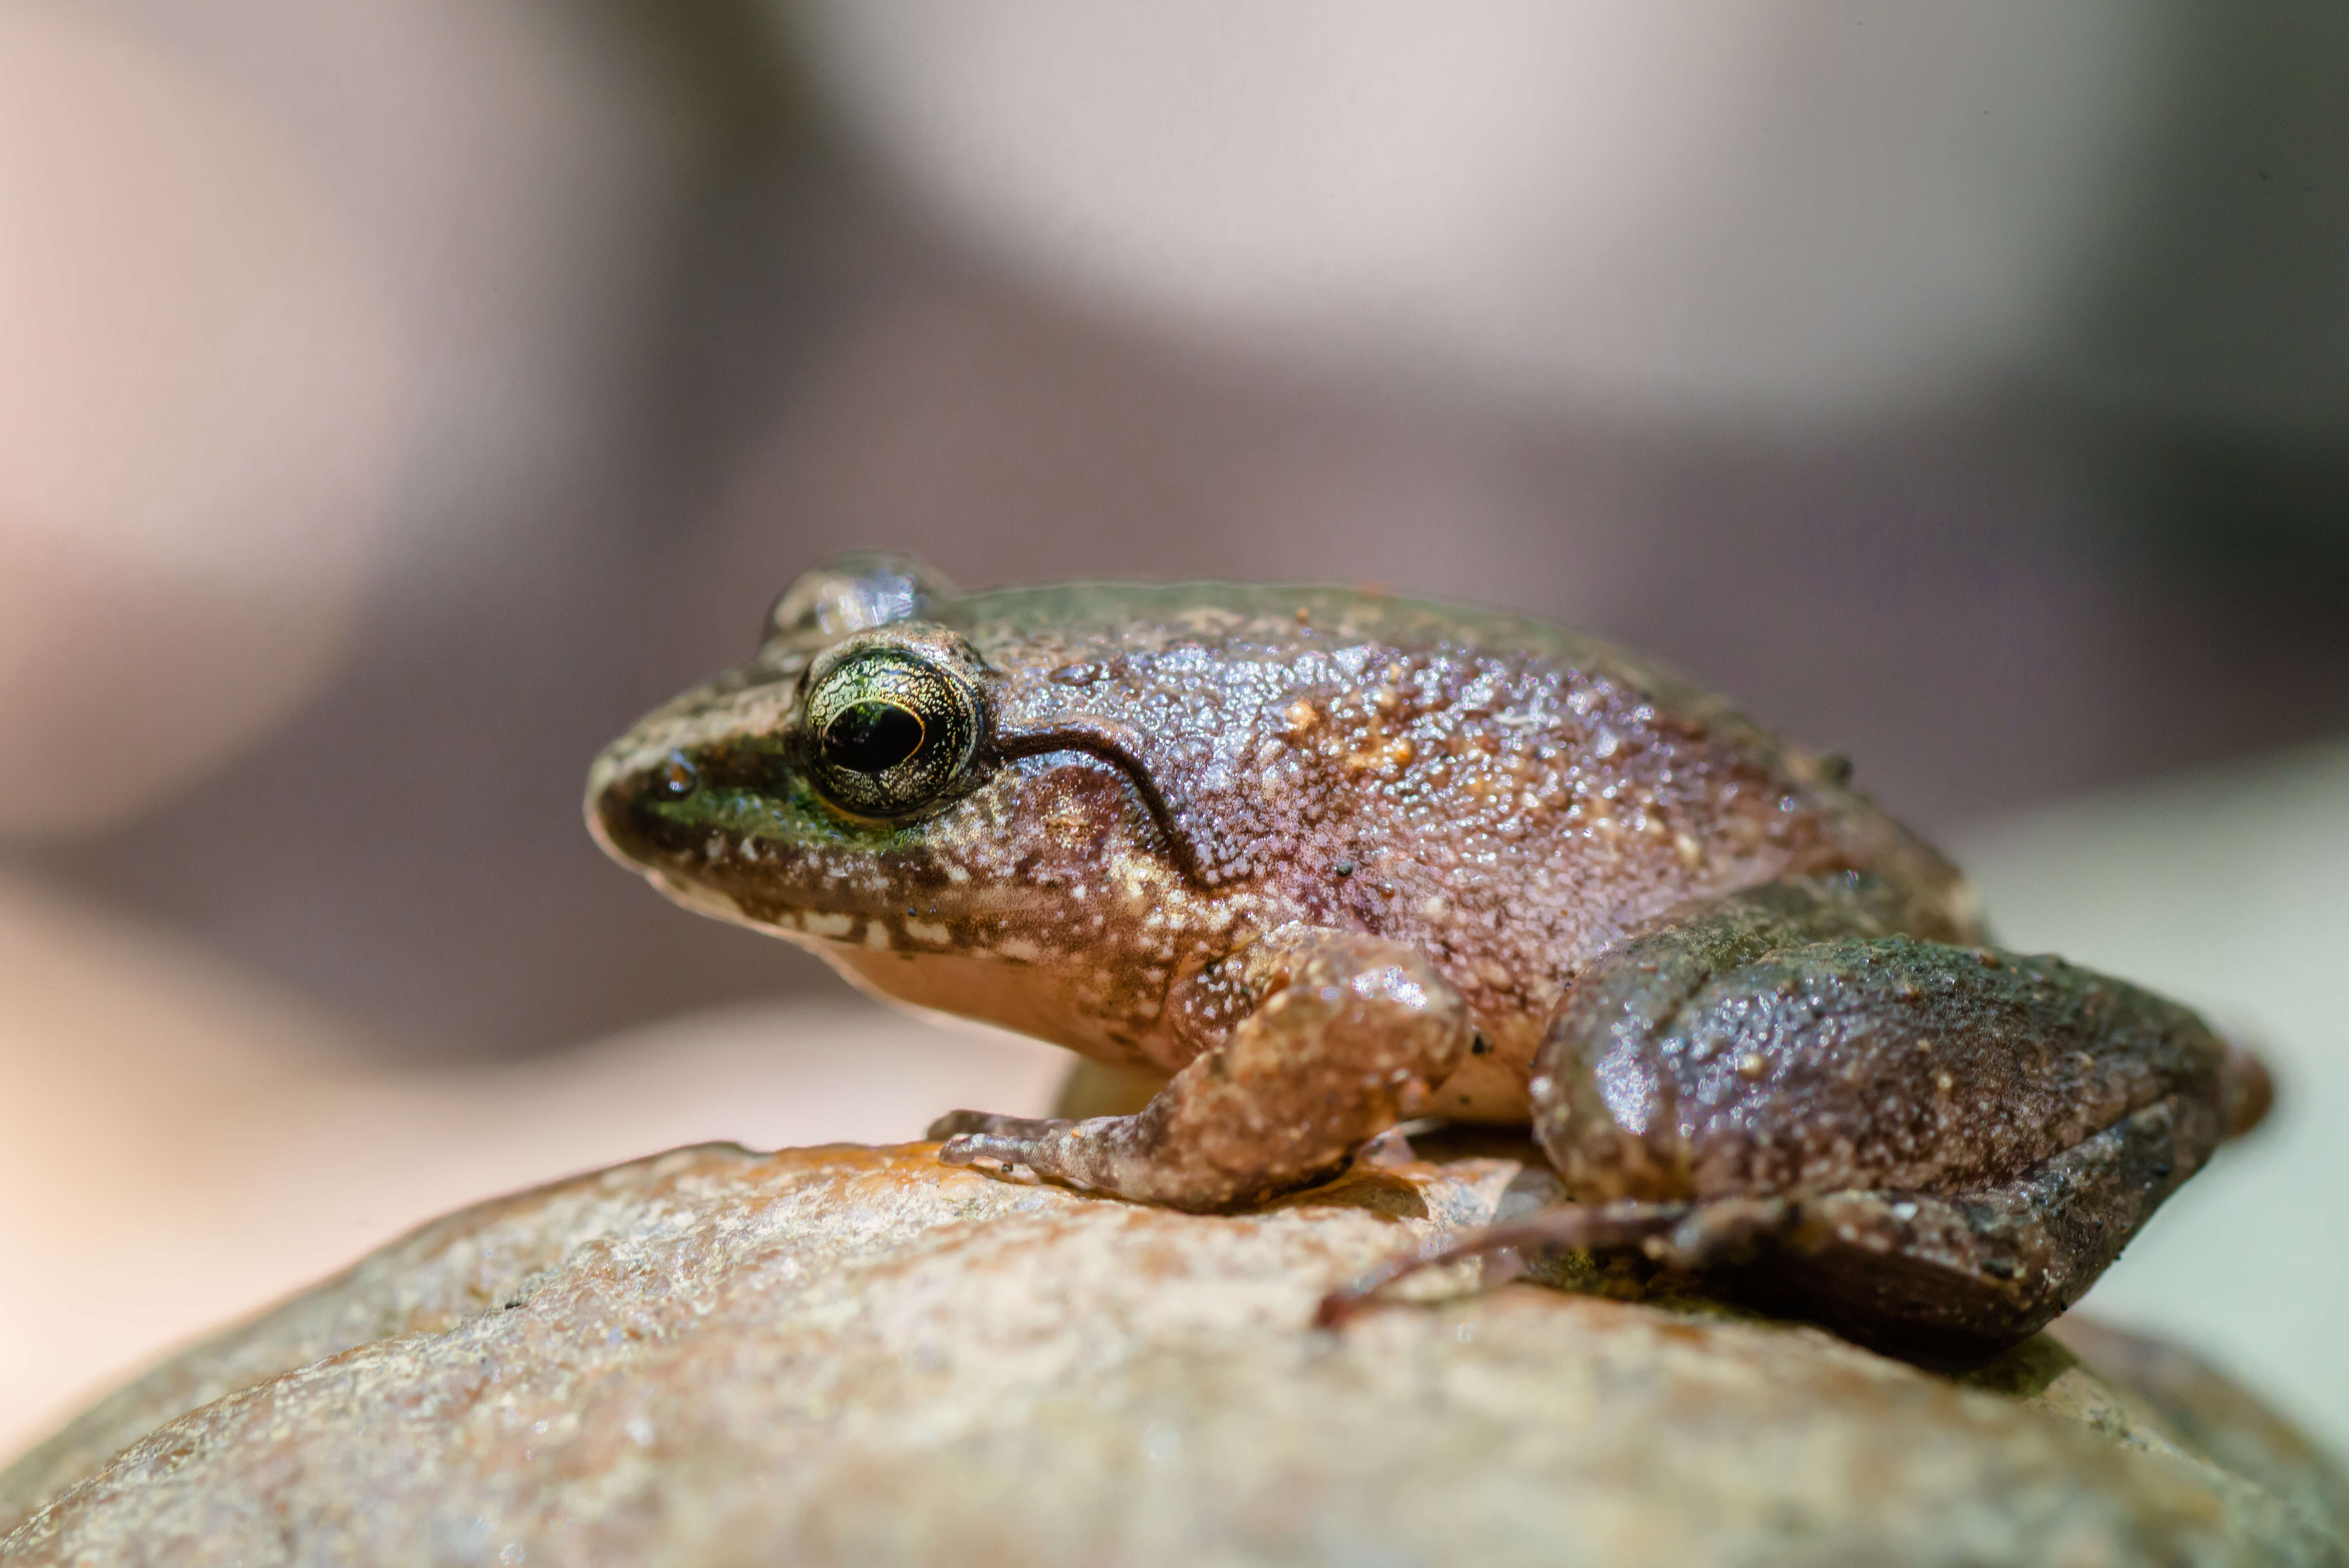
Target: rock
[(253, 1142), (854, 1354)]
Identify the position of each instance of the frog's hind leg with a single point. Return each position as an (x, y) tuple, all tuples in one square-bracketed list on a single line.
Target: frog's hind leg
[(1934, 1148), (1342, 1037), (1953, 1275), (1949, 1277), (1938, 1277)]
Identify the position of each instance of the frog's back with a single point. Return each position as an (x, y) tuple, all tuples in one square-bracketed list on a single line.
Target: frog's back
[(1100, 619), (1151, 778), (1511, 794)]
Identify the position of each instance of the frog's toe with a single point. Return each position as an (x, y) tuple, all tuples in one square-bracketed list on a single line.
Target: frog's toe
[(1010, 1141), (1079, 1154), (955, 1124), (973, 1148), (970, 1149)]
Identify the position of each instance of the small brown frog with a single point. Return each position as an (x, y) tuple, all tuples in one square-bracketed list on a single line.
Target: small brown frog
[(1329, 860)]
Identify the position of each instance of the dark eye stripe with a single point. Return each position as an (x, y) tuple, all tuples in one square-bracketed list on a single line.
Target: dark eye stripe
[(872, 736)]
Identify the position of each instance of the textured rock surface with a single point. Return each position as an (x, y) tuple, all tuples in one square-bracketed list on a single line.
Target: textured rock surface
[(856, 1355)]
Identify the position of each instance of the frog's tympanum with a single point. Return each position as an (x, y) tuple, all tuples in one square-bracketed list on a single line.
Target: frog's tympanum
[(1330, 860)]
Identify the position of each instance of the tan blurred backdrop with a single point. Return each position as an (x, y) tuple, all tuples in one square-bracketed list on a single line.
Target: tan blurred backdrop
[(397, 397)]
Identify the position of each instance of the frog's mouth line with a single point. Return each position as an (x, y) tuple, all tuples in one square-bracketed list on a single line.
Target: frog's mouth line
[(1118, 745)]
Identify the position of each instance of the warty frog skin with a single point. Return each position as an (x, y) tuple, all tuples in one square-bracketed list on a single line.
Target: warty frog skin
[(1330, 860)]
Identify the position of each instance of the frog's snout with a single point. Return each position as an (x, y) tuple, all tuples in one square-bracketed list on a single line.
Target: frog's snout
[(611, 812), (621, 802)]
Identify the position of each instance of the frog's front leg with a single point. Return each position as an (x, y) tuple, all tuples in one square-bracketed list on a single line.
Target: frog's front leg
[(1338, 1037)]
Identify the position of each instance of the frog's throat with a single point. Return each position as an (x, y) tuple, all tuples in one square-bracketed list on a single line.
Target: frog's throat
[(963, 988)]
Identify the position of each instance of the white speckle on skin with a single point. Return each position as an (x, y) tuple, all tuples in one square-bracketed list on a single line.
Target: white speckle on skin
[(817, 923), (705, 900), (924, 931)]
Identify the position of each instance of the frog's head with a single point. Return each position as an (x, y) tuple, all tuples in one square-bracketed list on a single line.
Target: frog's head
[(871, 787)]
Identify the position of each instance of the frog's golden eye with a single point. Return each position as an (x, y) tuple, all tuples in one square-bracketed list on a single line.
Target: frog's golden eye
[(888, 730)]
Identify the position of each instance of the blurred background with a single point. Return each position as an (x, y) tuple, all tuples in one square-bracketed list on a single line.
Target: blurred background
[(397, 397)]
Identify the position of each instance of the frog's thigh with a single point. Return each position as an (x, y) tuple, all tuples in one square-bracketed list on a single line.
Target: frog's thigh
[(1608, 1027), (1909, 1063), (1959, 1275), (1352, 1035)]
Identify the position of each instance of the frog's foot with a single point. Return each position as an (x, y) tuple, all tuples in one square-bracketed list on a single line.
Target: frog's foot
[(1050, 1147), (957, 1126), (1505, 1248), (1349, 1035)]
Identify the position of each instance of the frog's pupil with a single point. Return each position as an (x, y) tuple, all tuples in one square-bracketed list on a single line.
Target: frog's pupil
[(872, 737)]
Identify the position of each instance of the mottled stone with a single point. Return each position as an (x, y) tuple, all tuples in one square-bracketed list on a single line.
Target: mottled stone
[(852, 1354)]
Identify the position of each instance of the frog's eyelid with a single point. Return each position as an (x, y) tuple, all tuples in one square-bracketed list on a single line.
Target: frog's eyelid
[(940, 648), (859, 592), (1119, 745)]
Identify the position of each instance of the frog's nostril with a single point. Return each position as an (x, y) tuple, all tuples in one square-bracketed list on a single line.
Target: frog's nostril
[(675, 779), (624, 812)]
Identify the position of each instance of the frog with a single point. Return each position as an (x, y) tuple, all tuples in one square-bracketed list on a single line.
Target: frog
[(1322, 863)]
